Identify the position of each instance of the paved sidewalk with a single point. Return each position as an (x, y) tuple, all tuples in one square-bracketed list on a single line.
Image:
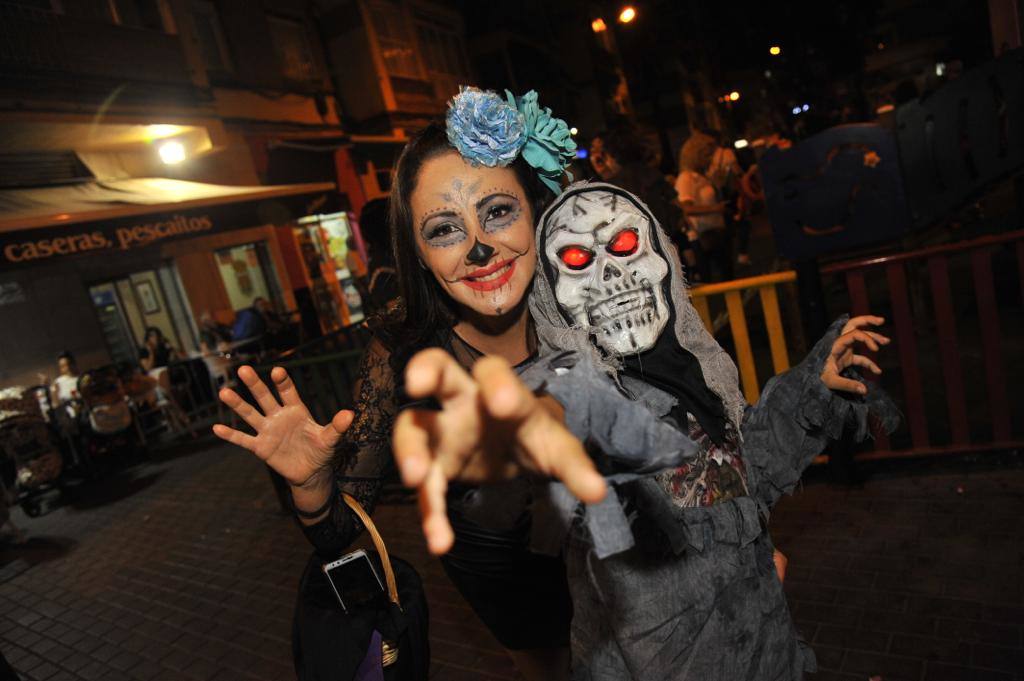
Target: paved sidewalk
[(184, 569)]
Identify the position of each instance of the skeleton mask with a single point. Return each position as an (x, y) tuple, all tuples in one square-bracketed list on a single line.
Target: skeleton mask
[(598, 247)]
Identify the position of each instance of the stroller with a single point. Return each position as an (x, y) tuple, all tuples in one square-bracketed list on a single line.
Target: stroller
[(30, 458), (109, 427)]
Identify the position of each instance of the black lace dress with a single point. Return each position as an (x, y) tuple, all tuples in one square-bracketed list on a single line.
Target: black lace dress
[(522, 597)]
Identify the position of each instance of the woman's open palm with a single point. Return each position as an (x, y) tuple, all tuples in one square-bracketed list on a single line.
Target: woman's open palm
[(286, 438)]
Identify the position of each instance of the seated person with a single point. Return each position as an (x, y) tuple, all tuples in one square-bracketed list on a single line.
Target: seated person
[(250, 322), (274, 321), (156, 352), (212, 334)]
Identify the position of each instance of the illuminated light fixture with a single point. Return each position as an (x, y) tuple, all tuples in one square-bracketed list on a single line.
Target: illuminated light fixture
[(884, 109), (172, 152), (775, 50), (767, 73), (940, 68), (162, 130), (598, 25), (573, 131), (741, 144), (733, 96), (805, 107), (796, 110), (627, 15), (582, 153), (881, 46)]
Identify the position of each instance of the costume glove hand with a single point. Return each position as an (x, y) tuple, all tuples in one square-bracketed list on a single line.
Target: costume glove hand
[(842, 354)]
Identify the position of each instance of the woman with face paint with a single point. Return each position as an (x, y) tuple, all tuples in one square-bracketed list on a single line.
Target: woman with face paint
[(462, 223)]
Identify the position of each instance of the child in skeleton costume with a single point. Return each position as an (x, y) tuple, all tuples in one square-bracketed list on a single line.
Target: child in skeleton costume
[(672, 575)]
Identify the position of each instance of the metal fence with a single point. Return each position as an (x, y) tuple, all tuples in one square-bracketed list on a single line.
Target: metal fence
[(941, 333)]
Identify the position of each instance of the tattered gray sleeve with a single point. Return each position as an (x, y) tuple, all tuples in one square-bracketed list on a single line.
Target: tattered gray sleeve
[(798, 415), (625, 438)]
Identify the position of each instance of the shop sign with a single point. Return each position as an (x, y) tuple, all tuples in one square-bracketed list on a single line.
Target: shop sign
[(35, 245), (102, 237)]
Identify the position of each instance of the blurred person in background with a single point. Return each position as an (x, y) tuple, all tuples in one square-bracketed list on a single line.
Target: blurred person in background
[(212, 334), (382, 285), (249, 323), (156, 351), (704, 211), (64, 389), (725, 173), (620, 157)]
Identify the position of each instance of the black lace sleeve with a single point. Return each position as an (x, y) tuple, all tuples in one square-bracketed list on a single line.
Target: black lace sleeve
[(363, 456)]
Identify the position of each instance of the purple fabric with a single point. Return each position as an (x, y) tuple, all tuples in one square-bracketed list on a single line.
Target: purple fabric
[(372, 667)]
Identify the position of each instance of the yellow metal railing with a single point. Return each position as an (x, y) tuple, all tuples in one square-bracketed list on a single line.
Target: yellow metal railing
[(733, 292)]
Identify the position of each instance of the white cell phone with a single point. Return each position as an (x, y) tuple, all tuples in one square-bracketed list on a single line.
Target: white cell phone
[(355, 581)]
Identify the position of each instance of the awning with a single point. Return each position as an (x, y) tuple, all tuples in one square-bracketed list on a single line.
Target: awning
[(91, 201), (105, 217)]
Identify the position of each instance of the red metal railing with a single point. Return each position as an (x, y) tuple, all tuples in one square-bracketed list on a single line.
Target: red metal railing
[(949, 331)]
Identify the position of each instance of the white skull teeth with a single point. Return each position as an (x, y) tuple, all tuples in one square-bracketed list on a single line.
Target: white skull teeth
[(621, 305)]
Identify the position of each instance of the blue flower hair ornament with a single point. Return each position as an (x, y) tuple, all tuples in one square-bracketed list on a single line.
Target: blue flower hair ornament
[(488, 130)]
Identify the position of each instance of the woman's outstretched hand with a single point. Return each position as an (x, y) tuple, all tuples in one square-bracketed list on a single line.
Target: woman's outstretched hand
[(287, 438), (490, 428), (843, 354)]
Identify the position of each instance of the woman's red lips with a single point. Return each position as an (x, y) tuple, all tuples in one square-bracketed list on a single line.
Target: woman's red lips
[(472, 279)]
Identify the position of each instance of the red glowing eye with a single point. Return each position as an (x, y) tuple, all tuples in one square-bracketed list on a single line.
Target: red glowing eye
[(575, 257), (624, 243)]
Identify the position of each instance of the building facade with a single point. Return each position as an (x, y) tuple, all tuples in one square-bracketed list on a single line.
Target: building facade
[(161, 160)]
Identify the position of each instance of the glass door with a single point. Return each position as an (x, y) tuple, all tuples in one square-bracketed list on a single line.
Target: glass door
[(127, 306), (113, 323)]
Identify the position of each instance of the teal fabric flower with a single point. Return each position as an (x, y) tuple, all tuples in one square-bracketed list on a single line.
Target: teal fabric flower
[(484, 128), (550, 147)]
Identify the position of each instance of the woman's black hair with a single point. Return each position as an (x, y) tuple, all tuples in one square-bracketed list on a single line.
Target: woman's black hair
[(66, 354), (153, 329), (428, 309)]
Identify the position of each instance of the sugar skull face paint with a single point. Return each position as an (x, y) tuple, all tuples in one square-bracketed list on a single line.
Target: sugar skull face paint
[(608, 275), (474, 232)]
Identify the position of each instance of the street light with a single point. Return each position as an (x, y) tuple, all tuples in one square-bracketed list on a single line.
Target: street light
[(172, 152), (775, 50), (573, 131), (627, 14), (598, 25), (733, 96)]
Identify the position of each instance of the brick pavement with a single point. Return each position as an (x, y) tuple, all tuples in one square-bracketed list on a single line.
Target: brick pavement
[(183, 568)]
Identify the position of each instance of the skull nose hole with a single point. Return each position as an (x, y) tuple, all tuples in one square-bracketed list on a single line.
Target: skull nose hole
[(611, 272)]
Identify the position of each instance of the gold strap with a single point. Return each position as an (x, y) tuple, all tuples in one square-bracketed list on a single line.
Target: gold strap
[(378, 541)]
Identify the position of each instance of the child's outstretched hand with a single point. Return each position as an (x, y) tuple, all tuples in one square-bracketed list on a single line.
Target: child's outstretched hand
[(843, 354)]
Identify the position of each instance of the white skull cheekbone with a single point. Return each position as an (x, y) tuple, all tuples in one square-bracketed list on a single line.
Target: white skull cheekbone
[(608, 277)]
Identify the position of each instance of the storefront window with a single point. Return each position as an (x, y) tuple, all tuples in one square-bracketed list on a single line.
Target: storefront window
[(127, 306), (333, 265), (241, 270)]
